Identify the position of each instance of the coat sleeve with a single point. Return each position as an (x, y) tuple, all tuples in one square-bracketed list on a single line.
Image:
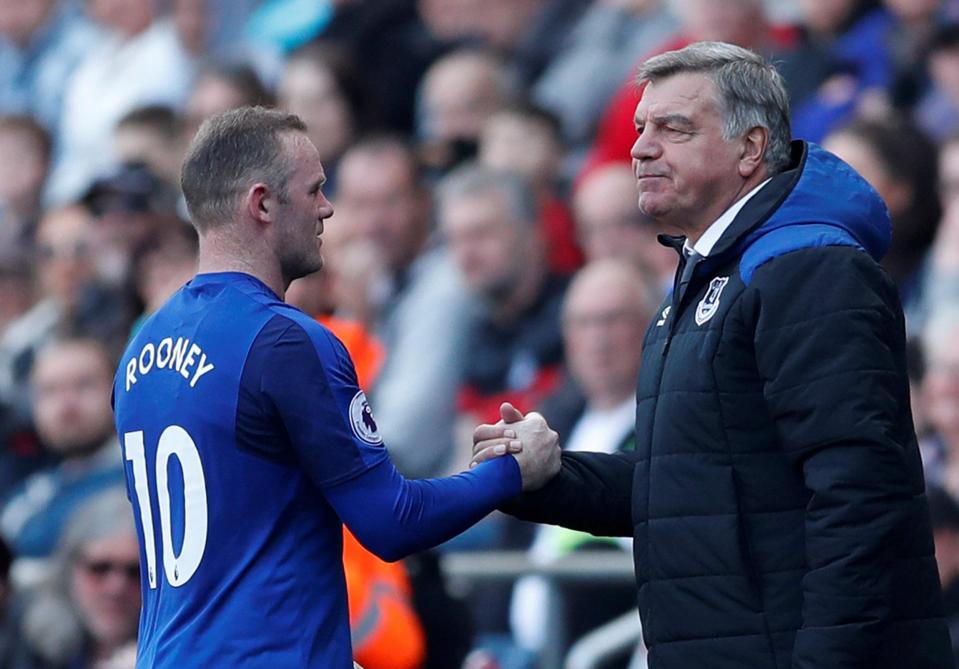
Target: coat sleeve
[(829, 342), (592, 493)]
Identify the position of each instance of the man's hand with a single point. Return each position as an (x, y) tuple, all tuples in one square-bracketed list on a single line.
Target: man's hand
[(528, 438)]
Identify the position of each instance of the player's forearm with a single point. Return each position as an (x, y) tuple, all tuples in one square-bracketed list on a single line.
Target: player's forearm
[(393, 516)]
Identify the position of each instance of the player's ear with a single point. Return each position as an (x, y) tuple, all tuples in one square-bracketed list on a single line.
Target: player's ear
[(260, 203)]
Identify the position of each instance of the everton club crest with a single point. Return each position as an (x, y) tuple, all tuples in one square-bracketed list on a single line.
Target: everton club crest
[(708, 306)]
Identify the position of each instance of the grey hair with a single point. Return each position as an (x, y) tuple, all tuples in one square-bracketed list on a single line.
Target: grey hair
[(475, 179), (751, 91), (230, 152), (51, 625)]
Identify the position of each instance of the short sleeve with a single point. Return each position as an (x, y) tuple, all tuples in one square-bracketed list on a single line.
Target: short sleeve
[(302, 383)]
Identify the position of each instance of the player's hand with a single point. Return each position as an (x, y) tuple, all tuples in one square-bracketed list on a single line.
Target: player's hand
[(539, 452), (493, 441)]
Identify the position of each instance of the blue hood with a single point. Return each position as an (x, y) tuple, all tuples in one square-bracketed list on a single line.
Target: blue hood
[(829, 205)]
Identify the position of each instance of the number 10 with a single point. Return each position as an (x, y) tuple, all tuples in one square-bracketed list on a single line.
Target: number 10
[(175, 441)]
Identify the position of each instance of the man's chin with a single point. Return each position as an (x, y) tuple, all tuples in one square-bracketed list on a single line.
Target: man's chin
[(304, 269), (659, 213), (650, 207)]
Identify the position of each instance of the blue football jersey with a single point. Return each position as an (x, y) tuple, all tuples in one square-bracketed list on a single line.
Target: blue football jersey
[(234, 412)]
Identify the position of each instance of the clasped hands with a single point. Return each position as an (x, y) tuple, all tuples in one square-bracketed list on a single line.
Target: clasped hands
[(527, 438)]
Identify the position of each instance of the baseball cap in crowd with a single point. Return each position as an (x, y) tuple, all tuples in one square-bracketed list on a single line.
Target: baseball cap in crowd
[(132, 188)]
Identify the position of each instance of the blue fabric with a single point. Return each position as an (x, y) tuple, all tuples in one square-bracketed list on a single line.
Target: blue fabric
[(300, 376), (39, 534), (287, 24), (287, 448), (864, 49), (393, 516), (864, 56), (830, 205)]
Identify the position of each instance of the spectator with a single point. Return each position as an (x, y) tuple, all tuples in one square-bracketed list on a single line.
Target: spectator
[(900, 163), (606, 310), (527, 32), (514, 350), (459, 93), (41, 42), (375, 33), (421, 316), (129, 207), (596, 57), (910, 34), (152, 136), (829, 32), (937, 113), (85, 615), (24, 164), (71, 384), (71, 301), (526, 139), (319, 85), (940, 394), (879, 66), (220, 87), (944, 515), (163, 265), (610, 225), (155, 70), (20, 451)]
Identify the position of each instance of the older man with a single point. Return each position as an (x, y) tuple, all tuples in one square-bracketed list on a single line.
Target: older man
[(776, 494), (246, 439)]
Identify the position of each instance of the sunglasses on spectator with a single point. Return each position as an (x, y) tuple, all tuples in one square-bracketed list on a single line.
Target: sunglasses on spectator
[(102, 568)]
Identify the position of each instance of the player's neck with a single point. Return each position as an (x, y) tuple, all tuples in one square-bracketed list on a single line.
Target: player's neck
[(217, 256)]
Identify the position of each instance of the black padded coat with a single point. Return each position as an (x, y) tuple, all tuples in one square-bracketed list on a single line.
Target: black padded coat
[(776, 495)]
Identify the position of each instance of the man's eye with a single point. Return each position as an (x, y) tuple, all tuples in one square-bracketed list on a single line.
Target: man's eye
[(678, 134)]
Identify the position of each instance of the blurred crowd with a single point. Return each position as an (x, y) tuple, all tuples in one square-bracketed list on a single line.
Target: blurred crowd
[(486, 246)]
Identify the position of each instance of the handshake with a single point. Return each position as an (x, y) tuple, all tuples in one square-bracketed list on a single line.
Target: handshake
[(527, 438)]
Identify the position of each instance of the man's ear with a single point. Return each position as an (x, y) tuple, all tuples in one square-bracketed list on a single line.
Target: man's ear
[(755, 142), (260, 203)]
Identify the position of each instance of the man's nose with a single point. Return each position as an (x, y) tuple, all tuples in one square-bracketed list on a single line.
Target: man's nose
[(326, 208), (645, 147)]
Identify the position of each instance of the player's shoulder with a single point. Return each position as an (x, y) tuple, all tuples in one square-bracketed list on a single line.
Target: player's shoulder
[(290, 326)]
